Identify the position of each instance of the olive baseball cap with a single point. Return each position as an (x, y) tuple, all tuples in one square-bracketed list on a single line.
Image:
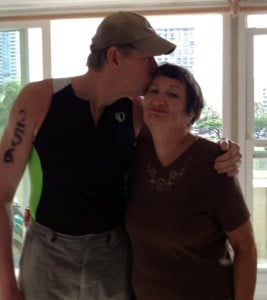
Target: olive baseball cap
[(130, 28)]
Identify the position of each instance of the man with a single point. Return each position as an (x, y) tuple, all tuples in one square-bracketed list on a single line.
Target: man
[(77, 138)]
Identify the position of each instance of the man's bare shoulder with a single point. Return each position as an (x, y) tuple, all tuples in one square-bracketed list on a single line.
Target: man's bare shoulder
[(38, 90), (36, 95), (35, 99)]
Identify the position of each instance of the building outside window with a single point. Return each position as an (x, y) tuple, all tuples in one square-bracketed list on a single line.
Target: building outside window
[(9, 56)]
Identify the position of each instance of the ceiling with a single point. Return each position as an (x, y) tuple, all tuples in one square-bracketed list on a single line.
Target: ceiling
[(42, 7)]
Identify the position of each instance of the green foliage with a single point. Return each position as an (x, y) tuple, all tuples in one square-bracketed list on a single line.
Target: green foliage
[(8, 94), (259, 110), (210, 123), (212, 126), (260, 119)]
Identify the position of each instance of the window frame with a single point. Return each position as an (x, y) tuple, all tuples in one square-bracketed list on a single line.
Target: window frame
[(245, 123), (46, 41)]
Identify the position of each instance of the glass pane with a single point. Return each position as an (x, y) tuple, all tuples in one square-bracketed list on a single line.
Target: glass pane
[(260, 202), (12, 72), (259, 159), (257, 21), (10, 75), (194, 38), (70, 42), (10, 84), (260, 87)]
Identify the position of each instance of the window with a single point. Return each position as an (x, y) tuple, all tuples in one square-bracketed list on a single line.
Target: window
[(253, 121), (256, 134), (260, 151), (15, 45), (193, 35), (70, 42)]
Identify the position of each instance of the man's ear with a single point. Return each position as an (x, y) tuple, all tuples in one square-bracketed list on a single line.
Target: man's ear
[(112, 56)]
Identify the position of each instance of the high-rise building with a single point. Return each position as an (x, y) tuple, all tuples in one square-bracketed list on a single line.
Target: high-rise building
[(9, 56), (184, 38)]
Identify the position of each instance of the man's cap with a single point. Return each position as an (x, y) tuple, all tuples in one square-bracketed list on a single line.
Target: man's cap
[(130, 28)]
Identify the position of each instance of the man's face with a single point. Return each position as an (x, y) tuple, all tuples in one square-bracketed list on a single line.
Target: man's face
[(136, 72)]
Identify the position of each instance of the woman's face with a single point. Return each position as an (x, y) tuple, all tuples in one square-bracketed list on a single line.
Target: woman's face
[(165, 104)]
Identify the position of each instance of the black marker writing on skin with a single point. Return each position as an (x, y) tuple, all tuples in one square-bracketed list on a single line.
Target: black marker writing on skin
[(17, 137)]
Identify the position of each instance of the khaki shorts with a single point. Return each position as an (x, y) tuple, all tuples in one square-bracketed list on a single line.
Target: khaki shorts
[(56, 266)]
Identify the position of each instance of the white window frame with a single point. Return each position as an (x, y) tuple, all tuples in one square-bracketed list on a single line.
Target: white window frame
[(46, 41), (245, 112)]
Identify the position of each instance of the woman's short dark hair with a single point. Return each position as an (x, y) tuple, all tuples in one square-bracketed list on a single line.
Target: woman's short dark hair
[(98, 57), (194, 97)]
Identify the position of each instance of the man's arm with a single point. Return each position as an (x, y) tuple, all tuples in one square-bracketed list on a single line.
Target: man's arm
[(245, 261), (15, 148), (229, 161)]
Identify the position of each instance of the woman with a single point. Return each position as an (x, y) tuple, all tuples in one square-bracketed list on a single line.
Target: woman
[(190, 229)]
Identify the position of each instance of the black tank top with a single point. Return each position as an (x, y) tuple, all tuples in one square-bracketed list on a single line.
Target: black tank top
[(79, 168)]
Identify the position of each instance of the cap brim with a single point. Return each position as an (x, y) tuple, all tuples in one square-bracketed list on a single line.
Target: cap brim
[(154, 45)]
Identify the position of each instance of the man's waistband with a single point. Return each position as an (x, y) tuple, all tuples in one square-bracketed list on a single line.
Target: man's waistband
[(108, 237)]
